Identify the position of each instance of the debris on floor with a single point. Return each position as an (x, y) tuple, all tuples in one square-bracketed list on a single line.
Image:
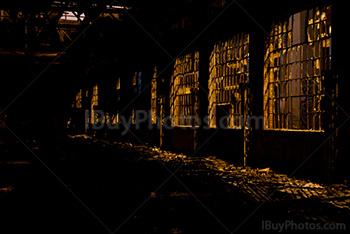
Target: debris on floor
[(260, 184)]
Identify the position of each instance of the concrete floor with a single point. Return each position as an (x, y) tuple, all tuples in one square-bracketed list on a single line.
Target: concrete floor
[(85, 186)]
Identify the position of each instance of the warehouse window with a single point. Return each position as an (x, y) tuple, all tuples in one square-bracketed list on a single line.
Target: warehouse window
[(298, 50), (94, 98), (4, 15), (78, 99), (154, 97), (72, 16), (118, 84), (184, 83), (133, 117), (228, 68), (134, 79), (94, 102), (137, 82)]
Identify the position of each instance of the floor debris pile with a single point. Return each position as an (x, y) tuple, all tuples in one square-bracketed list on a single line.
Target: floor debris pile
[(258, 185)]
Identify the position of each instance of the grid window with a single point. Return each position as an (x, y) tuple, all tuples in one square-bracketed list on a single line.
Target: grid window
[(228, 67), (118, 84), (183, 100), (297, 52), (94, 102), (154, 97), (78, 99), (94, 98)]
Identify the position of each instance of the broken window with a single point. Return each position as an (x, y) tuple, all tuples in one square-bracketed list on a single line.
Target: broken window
[(228, 68), (71, 16), (94, 98), (94, 103), (184, 101), (78, 99), (297, 52), (154, 97), (133, 116), (118, 84), (134, 79), (137, 82), (5, 15)]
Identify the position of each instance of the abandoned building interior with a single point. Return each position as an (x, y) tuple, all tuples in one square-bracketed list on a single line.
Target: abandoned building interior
[(281, 67)]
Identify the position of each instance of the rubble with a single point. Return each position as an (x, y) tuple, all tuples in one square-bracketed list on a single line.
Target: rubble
[(6, 189), (259, 185)]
